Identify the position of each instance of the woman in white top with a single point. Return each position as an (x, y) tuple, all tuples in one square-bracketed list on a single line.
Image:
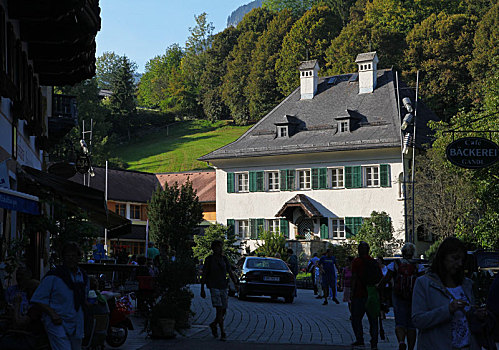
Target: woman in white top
[(441, 300)]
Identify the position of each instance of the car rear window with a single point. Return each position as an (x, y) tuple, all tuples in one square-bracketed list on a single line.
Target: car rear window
[(266, 264)]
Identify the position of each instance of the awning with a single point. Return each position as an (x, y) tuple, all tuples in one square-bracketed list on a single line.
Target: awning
[(18, 201), (299, 201), (78, 196)]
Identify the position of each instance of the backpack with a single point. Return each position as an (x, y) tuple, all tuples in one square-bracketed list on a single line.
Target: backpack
[(372, 273), (405, 278)]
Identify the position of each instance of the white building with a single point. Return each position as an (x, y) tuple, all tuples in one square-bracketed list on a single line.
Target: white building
[(321, 161)]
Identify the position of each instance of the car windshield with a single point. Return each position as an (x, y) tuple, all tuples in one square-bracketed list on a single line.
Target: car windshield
[(266, 264)]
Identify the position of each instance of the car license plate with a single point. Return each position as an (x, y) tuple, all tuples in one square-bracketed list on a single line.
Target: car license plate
[(270, 279)]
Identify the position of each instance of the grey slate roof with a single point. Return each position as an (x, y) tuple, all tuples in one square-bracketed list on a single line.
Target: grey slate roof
[(307, 65), (367, 56), (373, 117)]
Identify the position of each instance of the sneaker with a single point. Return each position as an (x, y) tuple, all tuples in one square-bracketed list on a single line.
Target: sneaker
[(402, 346), (223, 336), (325, 302), (336, 300), (358, 343), (214, 331)]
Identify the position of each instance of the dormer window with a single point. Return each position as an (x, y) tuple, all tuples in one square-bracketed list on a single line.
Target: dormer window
[(343, 126), (282, 131)]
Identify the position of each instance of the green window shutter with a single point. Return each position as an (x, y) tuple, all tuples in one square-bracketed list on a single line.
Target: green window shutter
[(259, 179), (284, 227), (284, 180), (324, 228), (348, 177), (357, 223), (230, 183), (253, 229), (252, 181), (315, 178), (291, 180), (231, 223), (322, 178), (385, 175), (349, 227), (260, 227), (357, 177)]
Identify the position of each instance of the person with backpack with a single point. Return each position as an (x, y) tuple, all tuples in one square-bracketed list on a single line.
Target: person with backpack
[(404, 273), (366, 274)]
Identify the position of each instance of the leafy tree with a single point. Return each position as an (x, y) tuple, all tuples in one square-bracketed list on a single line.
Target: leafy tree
[(297, 7), (307, 39), (469, 197), (340, 55), (153, 85), (273, 243), (239, 64), (261, 91), (122, 103), (216, 67), (440, 48), (377, 231), (105, 68), (174, 212), (216, 232), (486, 44)]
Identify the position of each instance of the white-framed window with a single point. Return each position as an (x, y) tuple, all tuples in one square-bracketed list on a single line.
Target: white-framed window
[(304, 179), (134, 212), (282, 131), (343, 126), (273, 225), (371, 176), (272, 180), (242, 182), (121, 209), (243, 228), (338, 228), (337, 177)]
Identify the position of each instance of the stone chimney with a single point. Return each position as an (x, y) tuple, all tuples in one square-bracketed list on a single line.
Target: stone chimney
[(309, 76), (368, 64)]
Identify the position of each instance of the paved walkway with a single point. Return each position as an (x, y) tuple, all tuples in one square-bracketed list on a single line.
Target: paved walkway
[(258, 322)]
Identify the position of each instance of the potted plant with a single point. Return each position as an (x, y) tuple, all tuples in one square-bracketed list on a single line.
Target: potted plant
[(162, 320)]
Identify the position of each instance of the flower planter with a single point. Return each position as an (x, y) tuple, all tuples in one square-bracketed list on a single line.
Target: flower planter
[(163, 328)]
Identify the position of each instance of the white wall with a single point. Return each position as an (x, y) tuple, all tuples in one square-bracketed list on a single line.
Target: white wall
[(352, 202)]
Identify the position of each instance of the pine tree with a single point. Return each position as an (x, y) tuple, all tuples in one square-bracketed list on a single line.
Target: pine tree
[(122, 102)]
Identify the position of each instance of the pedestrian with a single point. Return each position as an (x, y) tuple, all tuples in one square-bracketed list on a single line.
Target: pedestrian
[(346, 283), (292, 262), (365, 275), (327, 264), (318, 280), (62, 294), (493, 304), (23, 275), (152, 251), (215, 270), (442, 300), (312, 265), (404, 273)]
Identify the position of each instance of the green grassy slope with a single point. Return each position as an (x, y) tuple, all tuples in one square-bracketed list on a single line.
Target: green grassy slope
[(186, 141)]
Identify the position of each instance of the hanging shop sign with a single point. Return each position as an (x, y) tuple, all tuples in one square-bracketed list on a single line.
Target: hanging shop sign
[(472, 152), (82, 164)]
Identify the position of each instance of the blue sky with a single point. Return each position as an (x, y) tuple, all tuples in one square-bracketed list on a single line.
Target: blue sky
[(142, 29)]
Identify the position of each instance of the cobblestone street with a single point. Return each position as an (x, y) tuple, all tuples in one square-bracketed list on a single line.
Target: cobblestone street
[(259, 321)]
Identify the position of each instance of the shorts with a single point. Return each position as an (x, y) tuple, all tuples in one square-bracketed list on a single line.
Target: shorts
[(402, 311), (329, 281), (219, 297)]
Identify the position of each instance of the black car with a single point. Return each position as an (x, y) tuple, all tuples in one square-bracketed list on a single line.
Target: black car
[(266, 276)]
